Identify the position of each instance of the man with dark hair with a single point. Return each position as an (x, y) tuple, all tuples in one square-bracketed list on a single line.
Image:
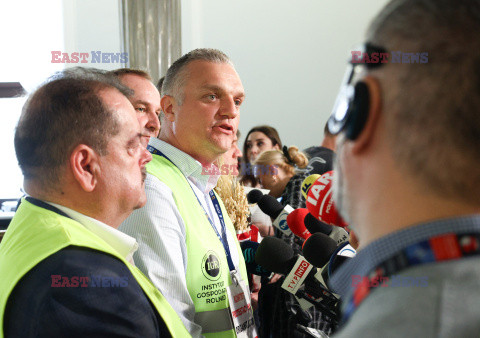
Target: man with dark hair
[(407, 178), (65, 269), (145, 99), (187, 243)]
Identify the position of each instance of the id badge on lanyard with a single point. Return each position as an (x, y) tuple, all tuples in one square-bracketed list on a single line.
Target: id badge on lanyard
[(241, 307), (238, 293)]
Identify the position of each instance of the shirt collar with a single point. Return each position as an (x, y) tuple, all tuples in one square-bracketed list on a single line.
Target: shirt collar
[(121, 242), (190, 167), (382, 249)]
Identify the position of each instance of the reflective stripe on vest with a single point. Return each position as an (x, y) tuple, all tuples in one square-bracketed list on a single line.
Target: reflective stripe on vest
[(207, 268), (212, 321), (36, 233)]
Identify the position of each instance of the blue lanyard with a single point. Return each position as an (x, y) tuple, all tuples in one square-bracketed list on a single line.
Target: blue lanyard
[(223, 237)]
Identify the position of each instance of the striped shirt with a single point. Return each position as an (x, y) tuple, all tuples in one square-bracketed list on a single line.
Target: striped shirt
[(161, 235)]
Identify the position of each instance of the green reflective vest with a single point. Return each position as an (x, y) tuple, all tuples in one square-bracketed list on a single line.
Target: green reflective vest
[(207, 268), (36, 233)]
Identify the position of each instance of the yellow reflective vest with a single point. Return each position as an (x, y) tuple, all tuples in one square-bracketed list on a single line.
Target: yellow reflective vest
[(208, 274), (36, 233)]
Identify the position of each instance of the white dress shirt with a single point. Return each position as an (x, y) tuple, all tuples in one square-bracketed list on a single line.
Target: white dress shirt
[(160, 232), (122, 243)]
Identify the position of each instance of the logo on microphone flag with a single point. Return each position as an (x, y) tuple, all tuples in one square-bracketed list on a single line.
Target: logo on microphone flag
[(297, 276)]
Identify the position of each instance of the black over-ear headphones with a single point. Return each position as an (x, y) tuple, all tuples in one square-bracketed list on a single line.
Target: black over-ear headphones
[(350, 112)]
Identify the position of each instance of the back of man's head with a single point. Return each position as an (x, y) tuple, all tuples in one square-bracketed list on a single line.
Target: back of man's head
[(58, 116), (177, 75), (431, 109)]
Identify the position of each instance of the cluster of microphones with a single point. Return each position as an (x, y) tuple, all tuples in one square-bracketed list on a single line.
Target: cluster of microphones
[(325, 245)]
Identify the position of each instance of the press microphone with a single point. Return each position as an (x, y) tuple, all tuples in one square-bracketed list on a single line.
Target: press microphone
[(320, 201), (249, 249), (303, 224), (296, 223), (312, 253), (307, 184), (277, 256), (270, 206), (254, 196)]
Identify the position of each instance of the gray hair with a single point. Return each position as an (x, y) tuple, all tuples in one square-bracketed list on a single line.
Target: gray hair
[(432, 109), (177, 75)]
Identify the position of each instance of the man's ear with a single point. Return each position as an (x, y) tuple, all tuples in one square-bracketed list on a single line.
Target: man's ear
[(84, 163), (374, 112), (167, 102), (276, 147)]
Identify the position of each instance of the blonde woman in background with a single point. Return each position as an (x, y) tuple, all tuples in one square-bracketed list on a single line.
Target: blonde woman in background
[(278, 171)]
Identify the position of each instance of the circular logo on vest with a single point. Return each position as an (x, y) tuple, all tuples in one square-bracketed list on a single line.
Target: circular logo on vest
[(211, 268)]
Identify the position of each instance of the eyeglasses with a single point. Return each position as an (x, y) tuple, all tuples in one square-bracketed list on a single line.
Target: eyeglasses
[(343, 104)]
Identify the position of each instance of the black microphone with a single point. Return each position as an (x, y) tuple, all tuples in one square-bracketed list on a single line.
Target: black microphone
[(274, 254), (254, 196), (270, 206), (249, 249), (314, 225), (315, 256), (277, 256)]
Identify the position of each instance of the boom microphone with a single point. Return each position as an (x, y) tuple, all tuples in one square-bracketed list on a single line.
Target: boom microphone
[(320, 201), (269, 205)]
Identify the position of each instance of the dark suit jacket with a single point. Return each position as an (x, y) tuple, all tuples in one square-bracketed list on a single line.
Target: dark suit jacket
[(112, 305)]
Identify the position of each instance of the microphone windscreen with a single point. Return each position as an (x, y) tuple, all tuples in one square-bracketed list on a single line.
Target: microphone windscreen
[(254, 196), (269, 205), (318, 249), (314, 225), (320, 201), (296, 222), (275, 255), (307, 183)]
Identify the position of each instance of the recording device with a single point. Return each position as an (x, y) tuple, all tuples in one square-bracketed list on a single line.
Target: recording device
[(269, 205), (249, 249), (320, 202)]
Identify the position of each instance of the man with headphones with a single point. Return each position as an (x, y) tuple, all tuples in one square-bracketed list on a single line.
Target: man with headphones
[(407, 178)]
